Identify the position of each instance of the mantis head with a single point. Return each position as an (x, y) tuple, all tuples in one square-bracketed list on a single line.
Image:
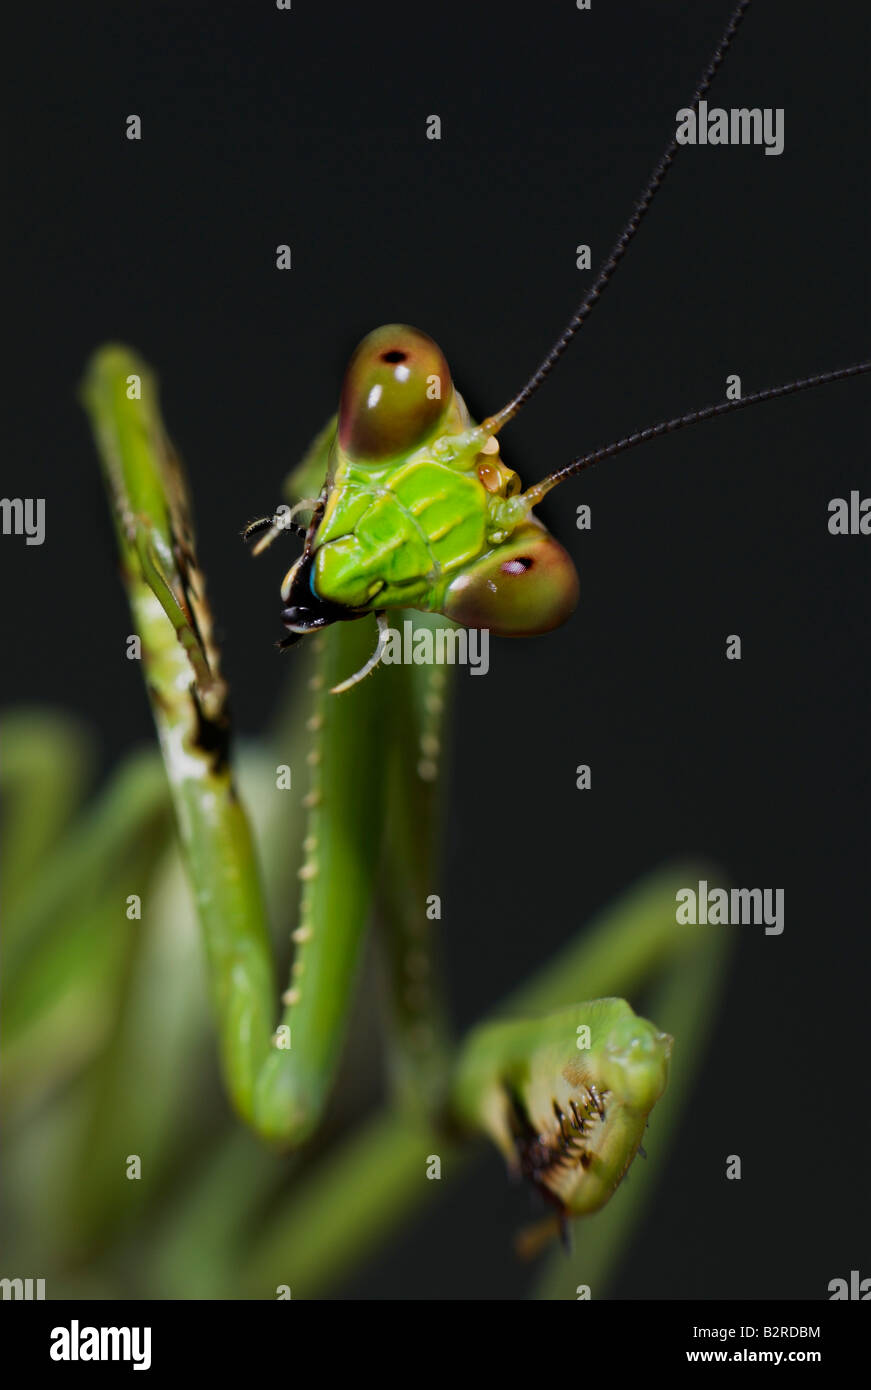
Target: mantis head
[(419, 510)]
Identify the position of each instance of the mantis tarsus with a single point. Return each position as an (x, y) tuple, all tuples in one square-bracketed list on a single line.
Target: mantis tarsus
[(280, 1086)]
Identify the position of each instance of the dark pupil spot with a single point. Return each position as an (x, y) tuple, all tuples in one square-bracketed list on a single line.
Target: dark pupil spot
[(394, 355), (519, 565)]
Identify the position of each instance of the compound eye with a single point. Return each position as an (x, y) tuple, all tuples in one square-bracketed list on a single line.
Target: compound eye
[(395, 394), (526, 586)]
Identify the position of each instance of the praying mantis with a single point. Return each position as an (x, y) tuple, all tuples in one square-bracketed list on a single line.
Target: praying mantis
[(571, 1118)]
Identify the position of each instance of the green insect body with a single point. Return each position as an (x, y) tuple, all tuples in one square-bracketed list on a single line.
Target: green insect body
[(566, 1099), (412, 507)]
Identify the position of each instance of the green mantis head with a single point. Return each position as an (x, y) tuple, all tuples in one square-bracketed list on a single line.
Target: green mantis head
[(418, 510)]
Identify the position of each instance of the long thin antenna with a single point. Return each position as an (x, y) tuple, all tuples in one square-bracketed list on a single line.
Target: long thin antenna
[(618, 251), (708, 412)]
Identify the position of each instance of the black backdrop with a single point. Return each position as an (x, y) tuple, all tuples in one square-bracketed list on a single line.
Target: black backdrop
[(308, 127)]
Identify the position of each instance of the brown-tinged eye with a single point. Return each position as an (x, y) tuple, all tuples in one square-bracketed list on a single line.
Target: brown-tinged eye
[(525, 586), (395, 394)]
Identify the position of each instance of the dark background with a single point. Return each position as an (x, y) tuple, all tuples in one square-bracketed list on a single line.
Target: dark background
[(261, 127)]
